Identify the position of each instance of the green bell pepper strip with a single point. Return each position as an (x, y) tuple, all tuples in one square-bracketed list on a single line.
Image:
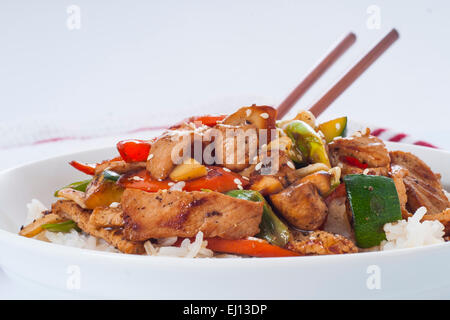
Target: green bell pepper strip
[(374, 202), (272, 229), (64, 227), (80, 186), (307, 141)]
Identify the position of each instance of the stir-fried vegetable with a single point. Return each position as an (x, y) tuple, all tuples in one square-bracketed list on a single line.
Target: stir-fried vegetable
[(307, 141), (134, 150), (188, 170), (209, 121), (64, 227), (333, 128), (85, 168), (111, 175), (80, 186), (102, 192), (249, 247), (354, 162), (374, 202), (217, 179), (35, 227), (271, 228)]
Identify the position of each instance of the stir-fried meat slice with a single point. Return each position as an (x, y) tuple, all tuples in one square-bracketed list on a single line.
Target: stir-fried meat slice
[(119, 166), (398, 174), (443, 217), (321, 243), (423, 187), (178, 213), (367, 149), (70, 210), (301, 205), (79, 197), (160, 162), (234, 146), (106, 217)]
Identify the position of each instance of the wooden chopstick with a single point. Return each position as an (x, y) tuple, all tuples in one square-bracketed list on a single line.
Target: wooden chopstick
[(354, 73), (315, 74)]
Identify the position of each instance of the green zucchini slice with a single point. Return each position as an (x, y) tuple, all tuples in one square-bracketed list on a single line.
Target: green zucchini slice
[(374, 202)]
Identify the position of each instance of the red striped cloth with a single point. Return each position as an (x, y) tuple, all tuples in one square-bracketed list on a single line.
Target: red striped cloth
[(389, 135)]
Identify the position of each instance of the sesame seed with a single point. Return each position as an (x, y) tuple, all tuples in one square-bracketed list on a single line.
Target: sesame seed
[(136, 178), (291, 165), (237, 181), (170, 184), (258, 166), (240, 187), (248, 112), (245, 178), (150, 156), (264, 115), (114, 205), (226, 169)]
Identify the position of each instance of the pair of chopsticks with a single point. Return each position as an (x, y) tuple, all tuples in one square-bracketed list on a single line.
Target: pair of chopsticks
[(340, 86)]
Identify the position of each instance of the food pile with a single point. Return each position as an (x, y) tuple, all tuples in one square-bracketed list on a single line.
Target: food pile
[(245, 184)]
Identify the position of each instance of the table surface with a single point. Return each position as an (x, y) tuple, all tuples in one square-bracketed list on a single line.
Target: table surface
[(131, 67)]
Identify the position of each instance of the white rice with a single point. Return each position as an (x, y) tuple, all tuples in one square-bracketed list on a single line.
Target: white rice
[(196, 249), (71, 239), (413, 233), (79, 240), (35, 211), (163, 247)]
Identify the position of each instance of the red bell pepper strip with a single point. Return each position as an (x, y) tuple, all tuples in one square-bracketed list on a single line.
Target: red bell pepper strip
[(85, 168), (249, 247), (134, 150), (209, 121), (217, 179), (355, 162), (90, 168)]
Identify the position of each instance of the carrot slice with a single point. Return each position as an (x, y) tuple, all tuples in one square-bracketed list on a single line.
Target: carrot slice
[(217, 179), (249, 247)]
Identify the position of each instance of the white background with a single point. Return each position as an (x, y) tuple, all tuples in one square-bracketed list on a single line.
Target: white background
[(142, 63)]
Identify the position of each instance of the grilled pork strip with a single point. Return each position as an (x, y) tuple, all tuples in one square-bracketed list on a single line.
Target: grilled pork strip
[(366, 148), (423, 187), (70, 210), (184, 214), (106, 217)]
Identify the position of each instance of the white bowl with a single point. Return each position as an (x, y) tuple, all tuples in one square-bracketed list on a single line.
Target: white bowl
[(401, 273)]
